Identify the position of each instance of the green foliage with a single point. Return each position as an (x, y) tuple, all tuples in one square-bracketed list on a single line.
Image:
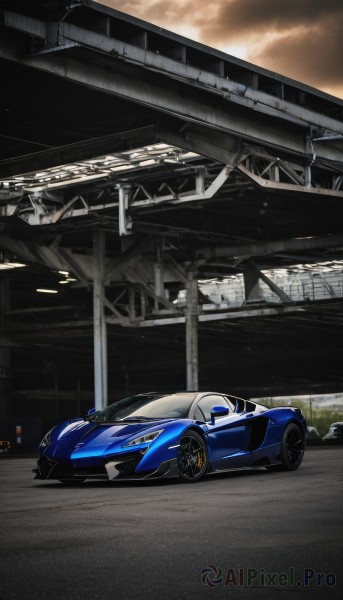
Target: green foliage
[(320, 418)]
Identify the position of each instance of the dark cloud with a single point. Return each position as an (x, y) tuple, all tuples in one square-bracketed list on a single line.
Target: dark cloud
[(237, 19), (312, 55), (307, 36), (299, 38)]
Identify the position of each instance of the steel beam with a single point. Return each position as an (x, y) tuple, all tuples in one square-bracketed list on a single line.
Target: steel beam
[(78, 151), (222, 147), (268, 184), (234, 92), (53, 256), (99, 321), (275, 288), (184, 101), (219, 315), (252, 275), (273, 247), (251, 284), (119, 269)]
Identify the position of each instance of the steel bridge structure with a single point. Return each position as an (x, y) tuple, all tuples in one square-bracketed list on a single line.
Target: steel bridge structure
[(134, 163)]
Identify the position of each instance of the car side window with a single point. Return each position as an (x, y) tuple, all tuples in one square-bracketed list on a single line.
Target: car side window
[(208, 402), (199, 415)]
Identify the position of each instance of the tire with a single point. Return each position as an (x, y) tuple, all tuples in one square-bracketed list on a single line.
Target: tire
[(192, 460), (72, 482), (291, 450)]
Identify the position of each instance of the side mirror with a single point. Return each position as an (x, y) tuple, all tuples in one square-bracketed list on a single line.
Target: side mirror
[(218, 411), (91, 411)]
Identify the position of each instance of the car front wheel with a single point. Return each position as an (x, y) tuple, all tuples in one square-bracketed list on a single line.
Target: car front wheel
[(192, 459)]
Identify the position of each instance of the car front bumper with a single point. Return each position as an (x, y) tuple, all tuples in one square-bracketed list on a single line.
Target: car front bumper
[(115, 468)]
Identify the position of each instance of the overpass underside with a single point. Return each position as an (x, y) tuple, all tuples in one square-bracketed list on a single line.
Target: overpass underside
[(133, 164)]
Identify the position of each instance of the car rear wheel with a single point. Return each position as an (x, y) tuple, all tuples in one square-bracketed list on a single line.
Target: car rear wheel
[(192, 460), (291, 450)]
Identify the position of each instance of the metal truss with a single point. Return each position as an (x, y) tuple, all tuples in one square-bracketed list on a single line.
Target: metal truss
[(38, 208), (136, 309), (298, 148), (272, 172), (268, 173)]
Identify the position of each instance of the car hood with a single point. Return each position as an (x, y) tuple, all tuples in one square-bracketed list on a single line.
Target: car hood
[(94, 434)]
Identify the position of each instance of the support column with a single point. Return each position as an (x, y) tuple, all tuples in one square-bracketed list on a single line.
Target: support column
[(191, 314), (251, 284), (5, 381), (100, 332), (159, 283), (125, 221)]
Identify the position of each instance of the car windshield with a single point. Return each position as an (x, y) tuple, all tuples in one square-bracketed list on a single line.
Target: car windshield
[(146, 407)]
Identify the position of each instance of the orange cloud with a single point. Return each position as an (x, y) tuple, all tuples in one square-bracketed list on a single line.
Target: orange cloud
[(301, 39)]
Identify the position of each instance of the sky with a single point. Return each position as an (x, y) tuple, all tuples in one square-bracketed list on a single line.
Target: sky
[(301, 39)]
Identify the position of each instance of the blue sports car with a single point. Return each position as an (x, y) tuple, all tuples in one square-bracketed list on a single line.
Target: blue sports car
[(184, 435)]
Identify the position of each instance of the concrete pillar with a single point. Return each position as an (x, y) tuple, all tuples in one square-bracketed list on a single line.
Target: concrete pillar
[(191, 314), (5, 381), (100, 332), (159, 283)]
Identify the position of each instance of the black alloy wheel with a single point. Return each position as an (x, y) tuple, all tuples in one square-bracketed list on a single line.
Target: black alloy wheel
[(192, 460), (292, 449)]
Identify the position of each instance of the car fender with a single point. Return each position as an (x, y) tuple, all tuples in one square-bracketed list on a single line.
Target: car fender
[(166, 446)]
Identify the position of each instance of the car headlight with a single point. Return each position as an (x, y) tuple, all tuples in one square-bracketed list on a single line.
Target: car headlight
[(46, 440), (144, 439)]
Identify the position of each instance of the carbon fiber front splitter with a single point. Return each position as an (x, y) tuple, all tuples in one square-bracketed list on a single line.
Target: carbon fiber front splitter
[(48, 468), (165, 470)]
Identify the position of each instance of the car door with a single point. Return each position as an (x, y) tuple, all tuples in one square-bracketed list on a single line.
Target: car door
[(228, 435)]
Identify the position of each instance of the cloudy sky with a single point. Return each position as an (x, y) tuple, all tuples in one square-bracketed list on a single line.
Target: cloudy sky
[(302, 39)]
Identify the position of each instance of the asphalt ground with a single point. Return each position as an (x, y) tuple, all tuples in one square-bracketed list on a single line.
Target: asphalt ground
[(143, 540)]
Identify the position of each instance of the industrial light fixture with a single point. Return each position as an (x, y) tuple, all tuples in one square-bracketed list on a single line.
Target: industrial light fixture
[(46, 291), (68, 278), (10, 265), (97, 168), (6, 264)]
